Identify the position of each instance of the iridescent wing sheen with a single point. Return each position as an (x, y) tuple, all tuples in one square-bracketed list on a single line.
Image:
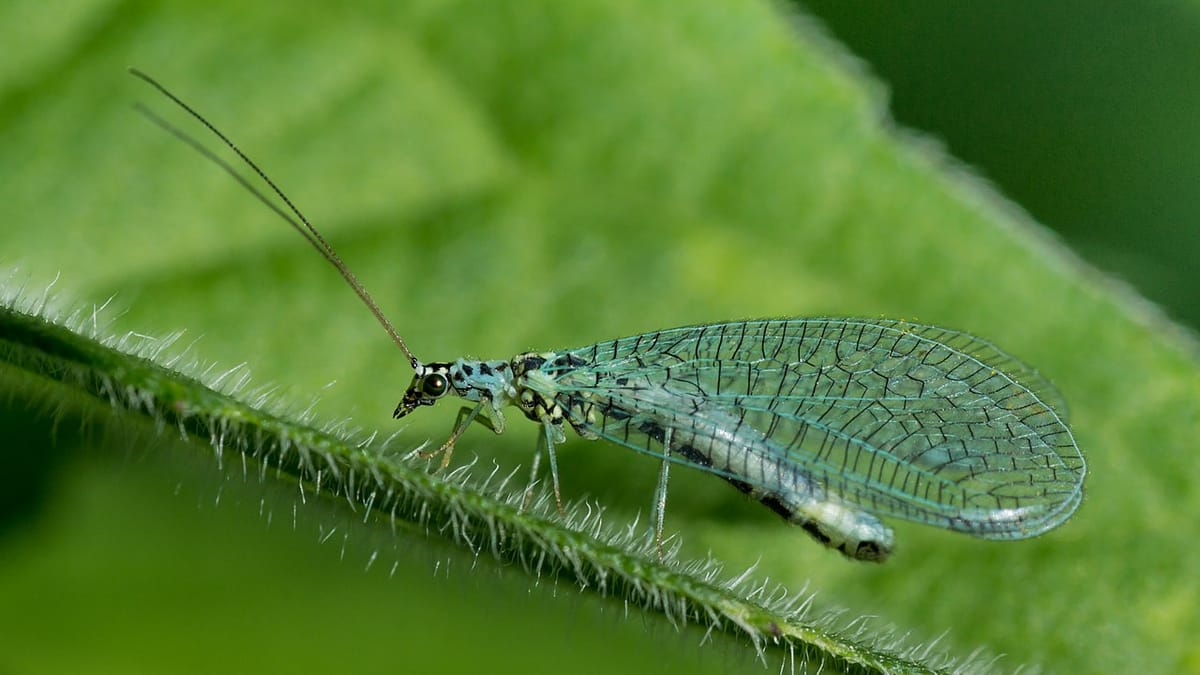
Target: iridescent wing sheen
[(904, 420)]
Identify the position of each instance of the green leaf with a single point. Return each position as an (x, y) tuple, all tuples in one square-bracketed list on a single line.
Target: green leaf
[(519, 177), (482, 516)]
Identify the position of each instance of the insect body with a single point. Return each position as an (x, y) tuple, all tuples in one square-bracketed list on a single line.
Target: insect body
[(830, 422)]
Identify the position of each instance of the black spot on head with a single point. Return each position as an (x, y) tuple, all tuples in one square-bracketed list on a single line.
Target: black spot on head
[(468, 370), (458, 377), (533, 362), (502, 367), (485, 369)]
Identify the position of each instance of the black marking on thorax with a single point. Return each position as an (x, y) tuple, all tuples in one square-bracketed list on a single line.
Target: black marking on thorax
[(555, 410)]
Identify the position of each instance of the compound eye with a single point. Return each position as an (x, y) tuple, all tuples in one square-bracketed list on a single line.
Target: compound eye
[(435, 386)]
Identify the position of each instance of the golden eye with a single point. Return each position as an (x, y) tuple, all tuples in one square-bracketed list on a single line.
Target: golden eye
[(435, 386)]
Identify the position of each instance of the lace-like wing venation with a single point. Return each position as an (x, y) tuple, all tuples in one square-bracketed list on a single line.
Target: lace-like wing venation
[(911, 421)]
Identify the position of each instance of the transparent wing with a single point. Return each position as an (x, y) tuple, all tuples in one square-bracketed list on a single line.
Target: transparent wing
[(903, 420)]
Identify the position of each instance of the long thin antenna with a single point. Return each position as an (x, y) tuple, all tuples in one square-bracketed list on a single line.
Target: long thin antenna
[(306, 229)]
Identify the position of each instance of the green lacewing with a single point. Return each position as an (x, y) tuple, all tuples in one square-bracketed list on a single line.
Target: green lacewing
[(829, 422)]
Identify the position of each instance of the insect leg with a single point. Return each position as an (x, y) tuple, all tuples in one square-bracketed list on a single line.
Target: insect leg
[(660, 493), (553, 434), (465, 417)]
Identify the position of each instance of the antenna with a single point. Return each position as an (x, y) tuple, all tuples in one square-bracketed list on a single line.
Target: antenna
[(304, 227)]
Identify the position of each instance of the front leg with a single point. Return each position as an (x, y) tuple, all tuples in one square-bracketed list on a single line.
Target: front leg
[(551, 435), (466, 415), (493, 420)]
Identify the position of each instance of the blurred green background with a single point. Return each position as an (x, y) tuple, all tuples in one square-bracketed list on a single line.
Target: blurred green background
[(552, 174), (1086, 114)]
